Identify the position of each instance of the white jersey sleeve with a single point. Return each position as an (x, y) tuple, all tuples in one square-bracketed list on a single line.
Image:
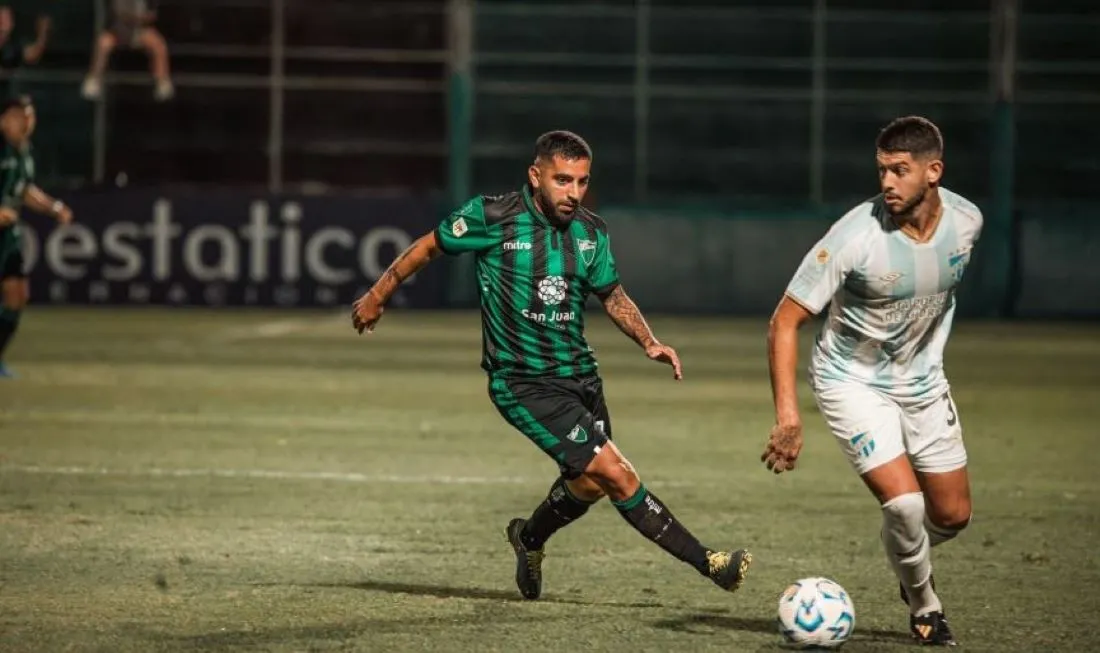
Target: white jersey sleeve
[(828, 263)]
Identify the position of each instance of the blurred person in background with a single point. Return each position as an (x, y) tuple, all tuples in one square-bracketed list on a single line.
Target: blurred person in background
[(132, 26), (14, 55), (17, 189)]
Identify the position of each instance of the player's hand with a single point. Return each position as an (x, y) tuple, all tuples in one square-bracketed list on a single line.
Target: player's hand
[(365, 312), (64, 215), (7, 217), (665, 354), (783, 448)]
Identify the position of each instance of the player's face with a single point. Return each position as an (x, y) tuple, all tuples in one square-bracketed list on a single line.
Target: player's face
[(12, 124), (905, 180), (18, 124), (559, 185)]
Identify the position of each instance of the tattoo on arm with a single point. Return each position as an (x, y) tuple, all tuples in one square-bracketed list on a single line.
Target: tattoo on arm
[(625, 314), (407, 263), (393, 273)]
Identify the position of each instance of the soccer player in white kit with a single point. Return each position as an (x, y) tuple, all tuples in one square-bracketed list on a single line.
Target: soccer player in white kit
[(889, 268)]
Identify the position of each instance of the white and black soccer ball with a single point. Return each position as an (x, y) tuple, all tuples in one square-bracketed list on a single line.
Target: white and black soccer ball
[(816, 613), (552, 290)]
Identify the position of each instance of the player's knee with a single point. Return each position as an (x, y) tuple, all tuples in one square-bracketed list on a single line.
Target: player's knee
[(955, 520), (950, 511), (614, 475), (586, 489), (155, 45), (903, 520)]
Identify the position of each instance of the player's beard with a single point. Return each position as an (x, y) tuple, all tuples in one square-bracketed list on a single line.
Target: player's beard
[(906, 210), (552, 212)]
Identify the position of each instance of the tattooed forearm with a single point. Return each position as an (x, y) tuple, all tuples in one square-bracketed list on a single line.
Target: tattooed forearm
[(408, 263), (625, 314)]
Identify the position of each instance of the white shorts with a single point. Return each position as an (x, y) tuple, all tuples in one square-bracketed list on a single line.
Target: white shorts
[(873, 429)]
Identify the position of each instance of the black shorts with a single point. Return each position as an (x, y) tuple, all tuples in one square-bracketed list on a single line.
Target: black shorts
[(566, 418), (11, 264)]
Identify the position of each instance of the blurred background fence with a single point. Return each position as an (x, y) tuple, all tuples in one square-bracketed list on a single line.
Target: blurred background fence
[(308, 141)]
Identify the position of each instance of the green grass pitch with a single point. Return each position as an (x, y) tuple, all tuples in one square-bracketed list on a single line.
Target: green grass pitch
[(178, 480)]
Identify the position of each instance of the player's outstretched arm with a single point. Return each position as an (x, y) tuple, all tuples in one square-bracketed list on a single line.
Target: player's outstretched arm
[(35, 199), (785, 442), (625, 314), (367, 310), (33, 51)]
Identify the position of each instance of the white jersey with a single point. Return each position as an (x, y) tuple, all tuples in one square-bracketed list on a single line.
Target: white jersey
[(893, 299)]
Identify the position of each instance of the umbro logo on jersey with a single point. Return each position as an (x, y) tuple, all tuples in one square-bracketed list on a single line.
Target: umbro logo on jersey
[(891, 278), (517, 244)]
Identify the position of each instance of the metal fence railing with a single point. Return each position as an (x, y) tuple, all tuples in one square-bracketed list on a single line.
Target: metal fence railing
[(776, 102)]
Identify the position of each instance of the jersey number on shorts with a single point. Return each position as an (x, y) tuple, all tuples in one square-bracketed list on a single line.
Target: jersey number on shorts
[(951, 416)]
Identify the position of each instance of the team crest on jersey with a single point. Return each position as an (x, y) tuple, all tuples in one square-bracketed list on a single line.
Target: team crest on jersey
[(578, 434), (459, 227), (958, 261), (588, 250)]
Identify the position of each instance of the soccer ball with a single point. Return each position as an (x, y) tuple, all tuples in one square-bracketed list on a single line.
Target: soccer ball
[(816, 613)]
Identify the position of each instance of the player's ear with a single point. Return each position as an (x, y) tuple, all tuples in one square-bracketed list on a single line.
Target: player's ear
[(533, 175), (934, 171)]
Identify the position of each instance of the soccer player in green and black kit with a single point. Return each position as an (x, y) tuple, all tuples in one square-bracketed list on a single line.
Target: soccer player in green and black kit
[(17, 188), (539, 255)]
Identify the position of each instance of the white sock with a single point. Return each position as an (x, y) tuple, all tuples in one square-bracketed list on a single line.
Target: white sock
[(908, 549)]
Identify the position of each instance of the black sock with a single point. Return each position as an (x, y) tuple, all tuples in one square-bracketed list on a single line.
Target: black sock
[(9, 321), (651, 518), (555, 512)]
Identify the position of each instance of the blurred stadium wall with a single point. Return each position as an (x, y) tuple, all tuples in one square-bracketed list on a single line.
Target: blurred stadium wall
[(309, 141)]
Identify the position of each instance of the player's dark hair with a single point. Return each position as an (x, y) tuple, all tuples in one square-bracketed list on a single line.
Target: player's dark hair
[(918, 136), (566, 144), (16, 102)]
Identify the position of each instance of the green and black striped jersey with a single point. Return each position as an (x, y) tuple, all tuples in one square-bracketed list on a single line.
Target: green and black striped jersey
[(16, 174), (533, 280)]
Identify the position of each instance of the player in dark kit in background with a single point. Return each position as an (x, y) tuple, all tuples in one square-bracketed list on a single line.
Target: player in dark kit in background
[(17, 189), (539, 255)]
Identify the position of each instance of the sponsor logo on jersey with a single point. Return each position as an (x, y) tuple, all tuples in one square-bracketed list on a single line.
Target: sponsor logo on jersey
[(551, 291), (917, 308)]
